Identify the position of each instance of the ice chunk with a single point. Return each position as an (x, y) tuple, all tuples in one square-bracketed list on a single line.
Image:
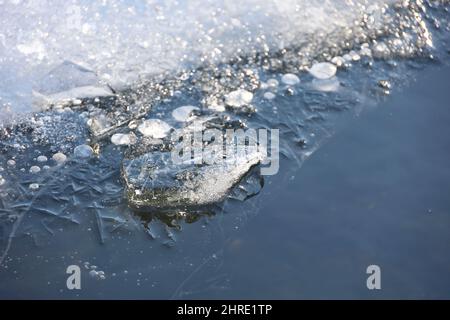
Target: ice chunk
[(239, 98), (323, 70), (154, 180), (154, 128), (68, 75), (185, 113), (71, 95), (290, 79), (68, 81)]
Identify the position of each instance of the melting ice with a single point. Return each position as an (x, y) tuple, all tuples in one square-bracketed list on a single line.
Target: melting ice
[(108, 82)]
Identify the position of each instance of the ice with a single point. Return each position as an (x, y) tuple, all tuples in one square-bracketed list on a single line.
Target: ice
[(239, 98), (323, 70), (154, 128), (67, 82), (272, 83), (67, 76), (132, 73), (184, 113), (11, 163), (34, 186), (338, 61), (70, 96), (83, 151), (35, 169), (59, 157), (87, 48), (326, 85), (269, 96), (122, 139), (154, 180), (290, 79)]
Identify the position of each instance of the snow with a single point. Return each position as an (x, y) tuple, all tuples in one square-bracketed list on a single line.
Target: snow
[(87, 44)]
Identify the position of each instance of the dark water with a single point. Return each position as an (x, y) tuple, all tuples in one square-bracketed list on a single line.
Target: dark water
[(377, 192)]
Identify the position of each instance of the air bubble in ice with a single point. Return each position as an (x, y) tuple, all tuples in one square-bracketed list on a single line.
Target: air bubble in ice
[(83, 151), (11, 163), (290, 79), (34, 186), (35, 169), (154, 128), (272, 83), (184, 113), (269, 96), (323, 70), (239, 98), (59, 157), (326, 85), (99, 275), (338, 61), (122, 139), (41, 159)]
